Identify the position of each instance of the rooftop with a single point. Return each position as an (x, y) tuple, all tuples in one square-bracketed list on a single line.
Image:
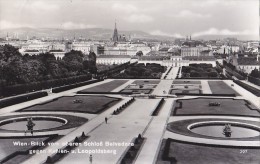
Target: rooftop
[(199, 58), (247, 61), (114, 56)]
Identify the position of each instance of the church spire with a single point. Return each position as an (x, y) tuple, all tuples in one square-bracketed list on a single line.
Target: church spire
[(115, 34)]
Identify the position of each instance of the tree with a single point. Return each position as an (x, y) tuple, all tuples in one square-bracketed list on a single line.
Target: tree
[(139, 53), (92, 62)]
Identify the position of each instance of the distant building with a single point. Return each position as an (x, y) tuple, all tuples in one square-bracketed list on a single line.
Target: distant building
[(113, 59), (59, 54), (195, 48), (84, 47)]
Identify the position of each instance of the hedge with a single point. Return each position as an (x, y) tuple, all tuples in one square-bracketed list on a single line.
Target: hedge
[(36, 86), (254, 80), (249, 88), (68, 87), (158, 107), (21, 98)]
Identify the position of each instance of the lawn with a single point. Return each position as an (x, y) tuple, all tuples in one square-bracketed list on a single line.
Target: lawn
[(186, 153), (137, 91), (200, 106), (142, 82), (219, 87), (185, 82), (89, 104), (185, 91), (147, 86), (106, 87)]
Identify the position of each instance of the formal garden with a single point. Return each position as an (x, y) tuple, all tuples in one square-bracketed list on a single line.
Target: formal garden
[(83, 104), (215, 106), (142, 71), (200, 71), (220, 87), (172, 151), (141, 87)]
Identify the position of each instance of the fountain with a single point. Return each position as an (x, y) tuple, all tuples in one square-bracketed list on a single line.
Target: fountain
[(227, 130)]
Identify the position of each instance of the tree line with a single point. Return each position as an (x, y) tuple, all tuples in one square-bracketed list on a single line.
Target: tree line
[(24, 73), (21, 69)]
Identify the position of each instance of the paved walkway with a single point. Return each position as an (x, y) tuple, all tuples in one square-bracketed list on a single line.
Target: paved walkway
[(87, 128), (120, 128), (164, 85), (205, 87), (173, 73), (154, 135)]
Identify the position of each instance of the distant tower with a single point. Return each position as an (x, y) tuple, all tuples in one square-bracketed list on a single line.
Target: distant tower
[(115, 34), (7, 37), (190, 37)]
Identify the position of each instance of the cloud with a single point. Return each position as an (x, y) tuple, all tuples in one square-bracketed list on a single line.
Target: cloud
[(8, 25), (158, 32), (139, 18), (128, 8), (190, 14), (71, 25), (214, 31), (40, 5)]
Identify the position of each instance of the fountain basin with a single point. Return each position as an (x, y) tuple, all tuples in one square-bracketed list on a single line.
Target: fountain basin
[(216, 129), (41, 123)]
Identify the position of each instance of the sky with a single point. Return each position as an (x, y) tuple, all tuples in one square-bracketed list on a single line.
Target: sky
[(176, 18)]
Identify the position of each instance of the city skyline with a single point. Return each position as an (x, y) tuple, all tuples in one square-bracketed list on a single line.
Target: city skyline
[(232, 18)]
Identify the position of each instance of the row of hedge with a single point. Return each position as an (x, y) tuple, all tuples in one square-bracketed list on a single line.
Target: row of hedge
[(236, 74), (36, 86), (249, 88), (232, 70), (167, 73), (254, 80), (72, 86), (132, 152), (158, 107), (68, 148), (21, 98), (124, 106)]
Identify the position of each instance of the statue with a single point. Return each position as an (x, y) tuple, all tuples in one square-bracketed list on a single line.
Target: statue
[(227, 130), (30, 125)]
